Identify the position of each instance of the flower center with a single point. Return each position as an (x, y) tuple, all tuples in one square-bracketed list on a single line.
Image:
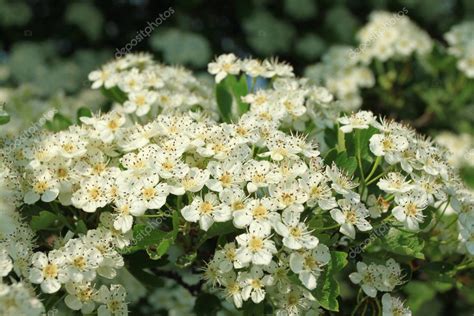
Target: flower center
[(260, 212), (50, 271), (255, 244), (206, 208)]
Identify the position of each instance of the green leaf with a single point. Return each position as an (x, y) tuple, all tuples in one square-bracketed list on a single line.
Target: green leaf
[(239, 89), (403, 243), (252, 309), (224, 101), (467, 174), (207, 305), (46, 221), (327, 290), (81, 227), (58, 123), (418, 293), (349, 164), (115, 94), (218, 229), (145, 236), (156, 252), (83, 112), (4, 117), (186, 260)]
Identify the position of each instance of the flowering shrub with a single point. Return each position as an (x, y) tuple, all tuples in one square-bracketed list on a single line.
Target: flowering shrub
[(398, 70), (261, 200)]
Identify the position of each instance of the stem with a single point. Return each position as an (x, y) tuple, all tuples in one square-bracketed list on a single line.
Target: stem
[(327, 228), (359, 159), (438, 219), (359, 305), (374, 167)]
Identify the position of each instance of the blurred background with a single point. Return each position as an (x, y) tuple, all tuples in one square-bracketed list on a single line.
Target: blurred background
[(52, 45)]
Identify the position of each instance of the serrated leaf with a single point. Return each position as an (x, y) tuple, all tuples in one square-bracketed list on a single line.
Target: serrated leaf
[(327, 290), (349, 164), (156, 252), (403, 243)]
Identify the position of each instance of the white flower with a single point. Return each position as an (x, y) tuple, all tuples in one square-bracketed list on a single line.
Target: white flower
[(341, 183), (48, 270), (106, 126), (349, 215), (319, 192), (81, 260), (18, 299), (148, 195), (80, 297), (287, 193), (391, 275), (193, 181), (232, 289), (253, 284), (92, 194), (227, 258), (308, 264), (409, 210), (388, 145), (226, 64), (102, 77), (224, 174), (260, 174), (43, 186), (140, 102), (170, 166), (392, 306), (394, 182), (256, 247), (6, 264), (113, 300), (359, 120), (259, 214), (206, 211), (295, 233), (368, 277)]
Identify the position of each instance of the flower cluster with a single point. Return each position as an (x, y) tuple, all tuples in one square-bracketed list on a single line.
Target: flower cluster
[(260, 175), (376, 277), (391, 36), (461, 45), (343, 76), (152, 88), (229, 64)]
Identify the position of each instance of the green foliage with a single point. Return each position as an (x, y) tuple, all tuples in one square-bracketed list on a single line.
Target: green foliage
[(328, 289), (87, 18), (179, 47), (267, 34)]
